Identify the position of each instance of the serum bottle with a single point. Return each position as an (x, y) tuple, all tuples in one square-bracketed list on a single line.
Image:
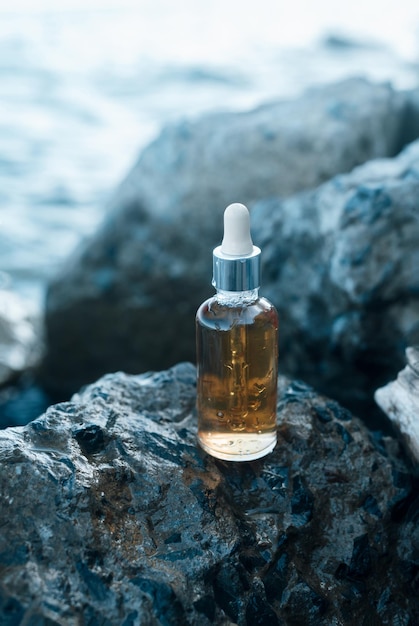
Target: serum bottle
[(237, 339)]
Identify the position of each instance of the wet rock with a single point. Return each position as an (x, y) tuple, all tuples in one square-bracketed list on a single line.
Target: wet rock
[(126, 299), (19, 337), (341, 265), (399, 399), (110, 514)]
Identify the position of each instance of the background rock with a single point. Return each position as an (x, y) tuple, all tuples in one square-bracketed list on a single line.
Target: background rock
[(276, 149), (110, 514), (341, 264), (128, 297), (399, 399)]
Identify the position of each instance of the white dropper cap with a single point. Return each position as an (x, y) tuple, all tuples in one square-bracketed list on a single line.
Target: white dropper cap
[(236, 263), (237, 239)]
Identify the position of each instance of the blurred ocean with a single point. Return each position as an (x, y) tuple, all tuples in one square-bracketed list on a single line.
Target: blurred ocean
[(85, 86)]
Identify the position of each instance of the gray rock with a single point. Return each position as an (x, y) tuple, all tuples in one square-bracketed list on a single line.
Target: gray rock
[(399, 399), (277, 149), (341, 263), (110, 514), (127, 298)]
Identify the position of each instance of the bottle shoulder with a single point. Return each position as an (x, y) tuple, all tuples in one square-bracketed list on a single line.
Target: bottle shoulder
[(215, 314)]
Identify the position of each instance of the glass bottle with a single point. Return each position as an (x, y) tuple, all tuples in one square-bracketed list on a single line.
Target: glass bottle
[(237, 338)]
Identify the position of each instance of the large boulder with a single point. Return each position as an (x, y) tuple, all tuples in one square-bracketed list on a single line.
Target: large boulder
[(342, 265), (110, 514), (126, 299)]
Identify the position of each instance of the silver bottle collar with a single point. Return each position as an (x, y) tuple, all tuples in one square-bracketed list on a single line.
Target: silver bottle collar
[(236, 273)]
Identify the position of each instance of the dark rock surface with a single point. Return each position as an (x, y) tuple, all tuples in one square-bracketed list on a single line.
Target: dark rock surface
[(126, 300), (110, 514)]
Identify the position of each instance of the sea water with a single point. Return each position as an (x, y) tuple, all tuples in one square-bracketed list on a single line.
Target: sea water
[(85, 86)]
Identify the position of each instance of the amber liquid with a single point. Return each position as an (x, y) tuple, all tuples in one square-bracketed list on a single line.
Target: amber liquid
[(237, 378)]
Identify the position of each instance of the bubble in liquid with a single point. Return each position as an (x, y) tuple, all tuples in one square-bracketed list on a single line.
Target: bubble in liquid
[(220, 415)]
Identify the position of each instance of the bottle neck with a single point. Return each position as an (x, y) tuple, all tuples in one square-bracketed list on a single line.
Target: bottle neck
[(237, 298)]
